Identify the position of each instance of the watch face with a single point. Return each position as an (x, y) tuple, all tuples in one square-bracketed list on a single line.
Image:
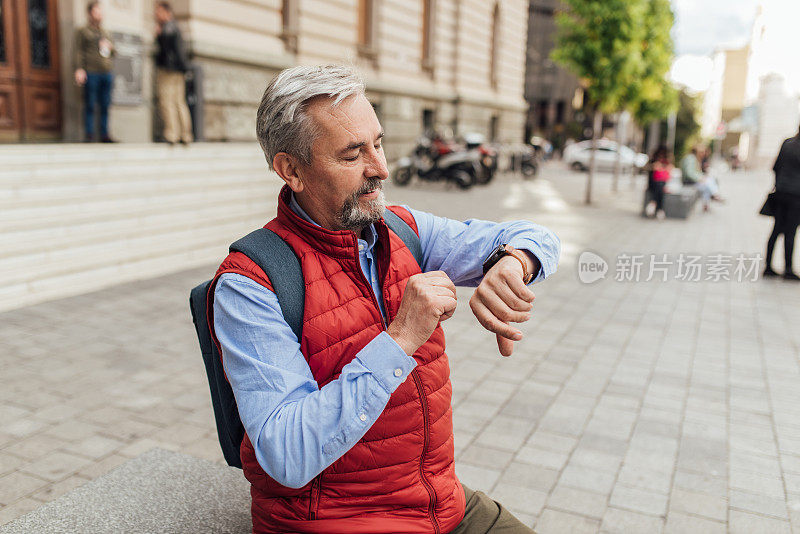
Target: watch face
[(494, 257)]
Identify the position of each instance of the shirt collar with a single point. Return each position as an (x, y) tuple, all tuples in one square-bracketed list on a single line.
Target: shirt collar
[(369, 232)]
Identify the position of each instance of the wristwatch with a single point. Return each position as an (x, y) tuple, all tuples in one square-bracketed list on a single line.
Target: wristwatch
[(507, 250)]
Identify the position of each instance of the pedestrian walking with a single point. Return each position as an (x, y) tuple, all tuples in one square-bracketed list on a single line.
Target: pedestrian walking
[(171, 70), (784, 205), (94, 53), (659, 174)]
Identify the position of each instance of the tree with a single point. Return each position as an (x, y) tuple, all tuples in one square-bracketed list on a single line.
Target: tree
[(687, 127), (600, 41), (651, 96)]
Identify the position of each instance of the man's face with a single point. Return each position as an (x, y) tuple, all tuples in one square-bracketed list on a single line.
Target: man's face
[(96, 14), (342, 187), (162, 15)]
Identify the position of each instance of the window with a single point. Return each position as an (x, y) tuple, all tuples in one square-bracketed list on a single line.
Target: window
[(495, 46), (428, 34), (290, 15), (494, 128), (428, 120), (367, 24)]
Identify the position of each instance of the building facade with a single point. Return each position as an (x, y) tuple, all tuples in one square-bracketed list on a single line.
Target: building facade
[(454, 65), (551, 92)]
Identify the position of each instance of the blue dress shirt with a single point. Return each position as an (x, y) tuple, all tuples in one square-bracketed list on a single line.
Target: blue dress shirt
[(298, 429)]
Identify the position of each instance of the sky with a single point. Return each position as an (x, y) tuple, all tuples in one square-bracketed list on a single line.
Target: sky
[(702, 26)]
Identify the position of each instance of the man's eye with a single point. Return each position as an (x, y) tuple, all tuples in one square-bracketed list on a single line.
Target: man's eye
[(351, 158), (378, 147)]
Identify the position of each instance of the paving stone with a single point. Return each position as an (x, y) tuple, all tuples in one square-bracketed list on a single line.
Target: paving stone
[(488, 457), (596, 459), (678, 523), (638, 500), (519, 499), (758, 504), (552, 442), (700, 504), (476, 478), (17, 509), (585, 478), (10, 462), (529, 476), (94, 446), (578, 501), (755, 483), (35, 446), (616, 521), (703, 483), (541, 457), (16, 485), (746, 523), (57, 489), (556, 522), (56, 466)]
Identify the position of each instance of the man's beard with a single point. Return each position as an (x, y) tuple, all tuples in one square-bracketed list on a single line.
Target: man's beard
[(353, 217)]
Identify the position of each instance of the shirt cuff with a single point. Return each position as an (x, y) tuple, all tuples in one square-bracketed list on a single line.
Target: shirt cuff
[(547, 265), (387, 362)]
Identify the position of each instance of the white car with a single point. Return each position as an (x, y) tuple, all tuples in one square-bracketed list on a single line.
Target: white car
[(577, 156)]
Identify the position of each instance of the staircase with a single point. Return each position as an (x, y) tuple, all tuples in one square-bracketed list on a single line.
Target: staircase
[(77, 218)]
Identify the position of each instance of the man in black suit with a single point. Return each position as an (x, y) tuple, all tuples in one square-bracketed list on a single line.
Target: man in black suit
[(786, 204)]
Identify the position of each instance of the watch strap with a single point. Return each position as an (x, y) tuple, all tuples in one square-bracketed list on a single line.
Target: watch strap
[(526, 276)]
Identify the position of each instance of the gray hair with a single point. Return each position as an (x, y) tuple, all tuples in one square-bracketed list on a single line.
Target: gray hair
[(282, 124)]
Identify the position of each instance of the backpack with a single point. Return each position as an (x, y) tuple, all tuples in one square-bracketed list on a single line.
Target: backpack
[(282, 267)]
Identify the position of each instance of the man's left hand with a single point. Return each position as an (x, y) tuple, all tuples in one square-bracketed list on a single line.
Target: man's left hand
[(502, 298)]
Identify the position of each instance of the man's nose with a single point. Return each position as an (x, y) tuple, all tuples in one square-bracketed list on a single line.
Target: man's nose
[(377, 167)]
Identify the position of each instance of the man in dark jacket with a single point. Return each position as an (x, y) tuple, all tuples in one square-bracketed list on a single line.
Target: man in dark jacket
[(94, 51), (171, 66), (786, 204)]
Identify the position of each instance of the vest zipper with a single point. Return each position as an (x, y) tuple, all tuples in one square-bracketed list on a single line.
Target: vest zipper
[(313, 504), (426, 442), (422, 399)]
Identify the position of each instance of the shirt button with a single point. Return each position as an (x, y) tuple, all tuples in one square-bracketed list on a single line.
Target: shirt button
[(362, 416), (398, 372)]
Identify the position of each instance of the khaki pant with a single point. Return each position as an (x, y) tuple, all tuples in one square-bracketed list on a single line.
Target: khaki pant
[(172, 106), (485, 516)]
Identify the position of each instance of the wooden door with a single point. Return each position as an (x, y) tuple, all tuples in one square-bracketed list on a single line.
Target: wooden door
[(30, 94)]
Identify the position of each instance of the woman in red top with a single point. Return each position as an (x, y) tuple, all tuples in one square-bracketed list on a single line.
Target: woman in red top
[(660, 172)]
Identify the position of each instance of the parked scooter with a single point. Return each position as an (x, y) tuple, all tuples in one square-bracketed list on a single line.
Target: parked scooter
[(487, 156), (529, 163), (435, 160)]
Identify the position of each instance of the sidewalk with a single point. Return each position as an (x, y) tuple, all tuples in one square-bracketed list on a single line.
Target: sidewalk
[(629, 406)]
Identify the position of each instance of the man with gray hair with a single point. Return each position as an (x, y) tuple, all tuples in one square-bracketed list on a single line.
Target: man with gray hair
[(349, 428)]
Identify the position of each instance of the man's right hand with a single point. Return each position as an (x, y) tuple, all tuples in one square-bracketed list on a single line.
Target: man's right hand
[(428, 299), (80, 76)]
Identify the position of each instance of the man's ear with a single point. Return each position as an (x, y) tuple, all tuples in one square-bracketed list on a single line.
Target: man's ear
[(286, 166)]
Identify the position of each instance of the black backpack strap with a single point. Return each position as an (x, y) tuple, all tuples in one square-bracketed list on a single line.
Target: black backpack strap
[(230, 431), (404, 232), (279, 262)]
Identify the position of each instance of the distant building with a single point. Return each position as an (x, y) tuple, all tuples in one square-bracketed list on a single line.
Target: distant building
[(552, 92), (778, 117), (456, 65)]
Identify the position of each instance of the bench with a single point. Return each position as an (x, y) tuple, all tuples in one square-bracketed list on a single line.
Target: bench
[(160, 491), (680, 203)]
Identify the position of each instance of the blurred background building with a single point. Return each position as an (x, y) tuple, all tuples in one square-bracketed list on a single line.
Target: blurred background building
[(753, 101), (457, 66), (552, 92)]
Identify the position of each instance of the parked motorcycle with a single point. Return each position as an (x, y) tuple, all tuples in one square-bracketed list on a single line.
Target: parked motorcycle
[(487, 156), (435, 160), (529, 163)]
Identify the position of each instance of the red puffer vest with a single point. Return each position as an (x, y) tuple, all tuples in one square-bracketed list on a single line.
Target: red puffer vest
[(400, 477)]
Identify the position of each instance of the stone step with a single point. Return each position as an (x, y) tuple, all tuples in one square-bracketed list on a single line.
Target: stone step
[(75, 218)]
